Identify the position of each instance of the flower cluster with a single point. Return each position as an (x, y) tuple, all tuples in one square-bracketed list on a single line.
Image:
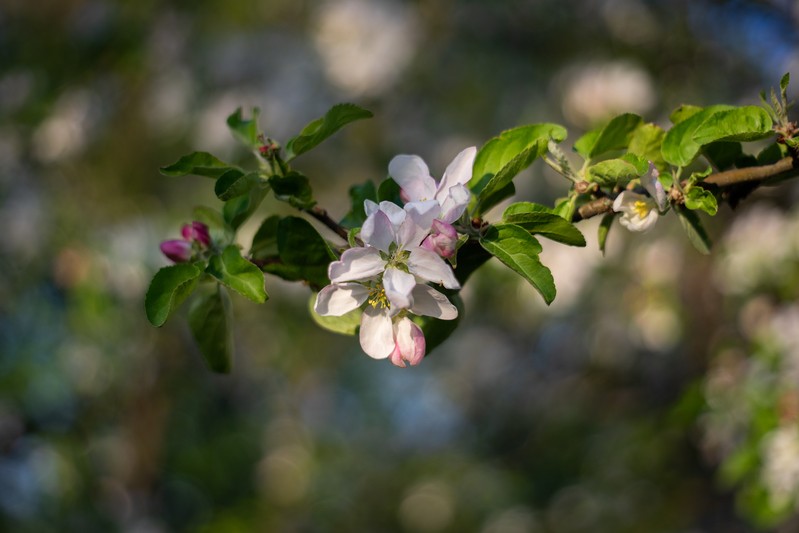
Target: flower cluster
[(640, 212), (195, 235), (402, 252)]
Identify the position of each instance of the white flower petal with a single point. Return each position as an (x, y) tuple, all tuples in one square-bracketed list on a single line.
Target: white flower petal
[(370, 207), (458, 172), (417, 224), (429, 302), (378, 231), (631, 205), (410, 343), (454, 203), (412, 175), (336, 300), (653, 186), (398, 286), (395, 213), (429, 266), (377, 333), (355, 264)]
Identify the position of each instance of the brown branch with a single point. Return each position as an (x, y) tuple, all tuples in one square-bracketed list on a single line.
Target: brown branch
[(321, 215), (593, 208)]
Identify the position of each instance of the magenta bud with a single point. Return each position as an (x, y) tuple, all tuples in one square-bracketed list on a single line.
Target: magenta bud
[(197, 232), (443, 239), (177, 250)]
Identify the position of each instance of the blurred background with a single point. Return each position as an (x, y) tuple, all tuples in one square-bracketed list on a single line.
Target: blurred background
[(660, 392)]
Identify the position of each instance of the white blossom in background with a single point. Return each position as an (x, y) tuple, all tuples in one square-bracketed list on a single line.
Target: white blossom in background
[(780, 472)]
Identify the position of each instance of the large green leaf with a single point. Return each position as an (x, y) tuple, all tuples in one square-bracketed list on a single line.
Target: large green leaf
[(235, 183), (537, 219), (717, 123), (293, 188), (346, 324), (684, 112), (245, 130), (169, 288), (519, 250), (504, 156), (264, 243), (694, 229), (320, 129), (236, 273), (616, 135), (210, 322), (197, 163), (358, 194), (646, 142), (612, 172), (304, 254)]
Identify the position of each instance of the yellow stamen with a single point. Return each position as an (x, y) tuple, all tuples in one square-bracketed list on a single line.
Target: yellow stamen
[(377, 298), (641, 208)]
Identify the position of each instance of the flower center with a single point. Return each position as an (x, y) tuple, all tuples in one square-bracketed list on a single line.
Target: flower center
[(641, 209), (377, 298)]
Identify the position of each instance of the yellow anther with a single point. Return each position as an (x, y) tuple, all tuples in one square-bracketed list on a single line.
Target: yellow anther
[(377, 298), (641, 208)]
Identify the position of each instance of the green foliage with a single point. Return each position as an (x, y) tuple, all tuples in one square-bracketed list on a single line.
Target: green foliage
[(694, 229), (684, 112), (616, 135), (540, 220), (723, 154), (237, 210), (699, 198), (604, 230), (210, 321), (614, 172), (320, 129), (519, 250), (293, 188), (169, 288), (716, 123), (197, 163), (234, 183), (347, 324), (504, 156), (389, 191), (358, 194), (238, 274), (245, 130), (303, 254), (264, 243), (646, 142)]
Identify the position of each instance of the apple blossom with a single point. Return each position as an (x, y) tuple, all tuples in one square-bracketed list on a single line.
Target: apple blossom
[(640, 212), (195, 235)]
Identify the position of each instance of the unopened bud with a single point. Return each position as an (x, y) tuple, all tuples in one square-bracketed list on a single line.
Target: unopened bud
[(197, 232), (443, 239), (177, 250)]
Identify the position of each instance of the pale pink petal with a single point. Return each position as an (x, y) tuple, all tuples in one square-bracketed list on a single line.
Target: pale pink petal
[(398, 286), (412, 175), (458, 172), (429, 302), (429, 266), (339, 299), (355, 264), (417, 224), (653, 186), (454, 203), (370, 207), (395, 213), (377, 333), (443, 239), (410, 343), (378, 231)]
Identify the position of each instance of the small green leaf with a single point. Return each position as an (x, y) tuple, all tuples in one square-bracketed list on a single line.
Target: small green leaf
[(346, 324), (197, 163), (501, 158), (210, 320), (389, 191), (717, 123), (646, 142), (604, 229), (358, 194), (694, 229), (535, 220), (784, 81), (699, 198), (519, 250), (264, 243), (169, 288), (237, 210), (293, 188), (684, 112), (236, 273), (435, 330), (566, 207), (612, 172), (320, 129), (246, 131), (616, 135), (235, 183)]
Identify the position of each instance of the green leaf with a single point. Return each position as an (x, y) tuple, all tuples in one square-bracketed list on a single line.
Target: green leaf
[(723, 154), (435, 330), (784, 81), (684, 112), (304, 254), (616, 135), (237, 210), (169, 288), (358, 194), (264, 243), (694, 229), (236, 273), (320, 129), (389, 191), (197, 163), (717, 123), (646, 142), (604, 229), (534, 219), (293, 188), (519, 250), (612, 172), (210, 320), (220, 231), (235, 183), (566, 207), (501, 158), (245, 131), (699, 198), (346, 324), (772, 153)]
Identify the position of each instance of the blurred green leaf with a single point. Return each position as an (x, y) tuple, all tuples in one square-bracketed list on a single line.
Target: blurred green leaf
[(236, 273), (358, 194), (389, 191), (293, 188), (346, 324), (616, 135), (717, 123), (264, 243), (237, 210), (604, 230), (169, 288), (537, 219), (235, 183), (245, 130), (699, 198), (197, 163), (210, 321), (320, 129), (504, 156), (694, 229), (519, 250)]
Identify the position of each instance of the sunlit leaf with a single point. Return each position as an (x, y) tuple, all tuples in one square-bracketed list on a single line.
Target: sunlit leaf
[(238, 274), (346, 324), (197, 163), (320, 129), (616, 135), (537, 219), (699, 198)]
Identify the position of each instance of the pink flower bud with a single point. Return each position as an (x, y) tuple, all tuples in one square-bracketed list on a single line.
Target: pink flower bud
[(409, 343), (443, 239), (197, 232), (177, 250)]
